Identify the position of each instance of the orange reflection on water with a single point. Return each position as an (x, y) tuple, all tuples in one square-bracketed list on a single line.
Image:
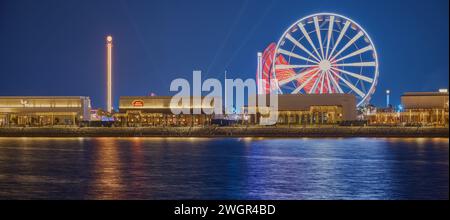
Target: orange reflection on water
[(108, 182), (137, 164)]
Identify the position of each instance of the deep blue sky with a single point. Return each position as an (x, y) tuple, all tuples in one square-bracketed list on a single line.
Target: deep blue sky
[(54, 47)]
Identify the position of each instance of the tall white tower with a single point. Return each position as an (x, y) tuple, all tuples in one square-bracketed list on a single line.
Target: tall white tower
[(109, 46)]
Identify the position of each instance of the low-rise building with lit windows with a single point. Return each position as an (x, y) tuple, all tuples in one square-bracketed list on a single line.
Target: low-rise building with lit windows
[(309, 109), (416, 109), (148, 111), (383, 117), (35, 111), (425, 108)]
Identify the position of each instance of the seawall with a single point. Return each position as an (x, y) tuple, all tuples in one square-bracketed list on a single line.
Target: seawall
[(228, 132)]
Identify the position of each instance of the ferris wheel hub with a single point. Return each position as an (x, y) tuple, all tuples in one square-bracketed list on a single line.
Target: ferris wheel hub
[(325, 65)]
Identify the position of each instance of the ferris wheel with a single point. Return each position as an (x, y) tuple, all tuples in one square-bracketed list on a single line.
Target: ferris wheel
[(324, 54)]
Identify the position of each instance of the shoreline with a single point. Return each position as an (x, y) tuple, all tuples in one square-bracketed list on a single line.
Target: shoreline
[(316, 132)]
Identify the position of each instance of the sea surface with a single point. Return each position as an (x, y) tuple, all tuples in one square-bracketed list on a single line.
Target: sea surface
[(224, 168)]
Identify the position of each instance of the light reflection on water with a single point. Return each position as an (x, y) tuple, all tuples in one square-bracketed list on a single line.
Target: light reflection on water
[(219, 168), (107, 169)]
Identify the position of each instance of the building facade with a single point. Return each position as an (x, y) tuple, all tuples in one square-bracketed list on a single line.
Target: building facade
[(155, 111), (417, 109), (35, 111), (425, 108), (310, 109)]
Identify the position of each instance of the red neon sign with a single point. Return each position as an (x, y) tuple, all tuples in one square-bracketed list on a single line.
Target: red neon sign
[(138, 103)]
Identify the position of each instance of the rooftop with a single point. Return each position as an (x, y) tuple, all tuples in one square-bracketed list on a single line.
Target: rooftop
[(425, 94)]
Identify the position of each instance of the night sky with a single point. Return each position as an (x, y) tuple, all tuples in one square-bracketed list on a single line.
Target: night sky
[(54, 47)]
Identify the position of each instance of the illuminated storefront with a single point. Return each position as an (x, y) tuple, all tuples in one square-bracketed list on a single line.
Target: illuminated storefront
[(35, 111), (417, 109), (425, 108), (155, 111)]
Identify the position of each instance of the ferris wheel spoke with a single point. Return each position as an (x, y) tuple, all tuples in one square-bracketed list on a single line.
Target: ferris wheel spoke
[(291, 54), (328, 82), (350, 85), (360, 51), (358, 76), (341, 35), (284, 66), (308, 38), (319, 36), (353, 40), (356, 64), (330, 32), (303, 84), (363, 87), (322, 81), (295, 77), (298, 44), (316, 83), (335, 83)]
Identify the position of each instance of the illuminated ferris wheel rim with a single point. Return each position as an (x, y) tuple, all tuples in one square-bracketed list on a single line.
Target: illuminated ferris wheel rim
[(327, 62)]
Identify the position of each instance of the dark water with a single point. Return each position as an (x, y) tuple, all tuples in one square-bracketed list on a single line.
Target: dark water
[(192, 168)]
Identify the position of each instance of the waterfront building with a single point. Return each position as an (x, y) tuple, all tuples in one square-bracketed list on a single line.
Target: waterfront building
[(383, 117), (425, 108), (147, 111), (416, 109), (31, 111), (310, 109)]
